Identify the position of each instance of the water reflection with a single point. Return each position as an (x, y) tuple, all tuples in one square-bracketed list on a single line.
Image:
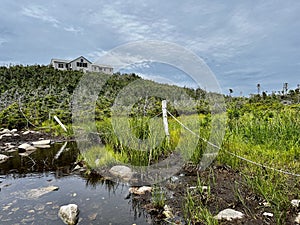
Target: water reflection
[(100, 201)]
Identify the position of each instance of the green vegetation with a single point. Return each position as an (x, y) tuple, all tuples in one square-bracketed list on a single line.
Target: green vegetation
[(260, 128)]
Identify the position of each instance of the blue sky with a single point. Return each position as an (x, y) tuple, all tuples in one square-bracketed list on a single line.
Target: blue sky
[(243, 42)]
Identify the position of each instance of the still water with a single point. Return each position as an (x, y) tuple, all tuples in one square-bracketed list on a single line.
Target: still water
[(99, 202)]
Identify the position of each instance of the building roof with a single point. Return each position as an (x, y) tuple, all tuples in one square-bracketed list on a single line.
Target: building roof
[(79, 58), (60, 60)]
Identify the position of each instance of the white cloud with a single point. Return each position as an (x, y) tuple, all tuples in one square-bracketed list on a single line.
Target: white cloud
[(39, 12), (73, 29), (132, 27), (95, 55)]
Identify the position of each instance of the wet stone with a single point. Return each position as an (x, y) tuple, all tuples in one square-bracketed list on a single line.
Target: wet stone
[(69, 214), (39, 207), (122, 172), (93, 216)]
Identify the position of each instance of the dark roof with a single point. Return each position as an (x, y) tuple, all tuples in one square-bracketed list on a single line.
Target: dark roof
[(79, 58)]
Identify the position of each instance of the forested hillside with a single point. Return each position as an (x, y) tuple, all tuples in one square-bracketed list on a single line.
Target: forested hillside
[(31, 95)]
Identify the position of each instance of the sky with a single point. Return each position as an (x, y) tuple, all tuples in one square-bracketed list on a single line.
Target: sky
[(242, 42)]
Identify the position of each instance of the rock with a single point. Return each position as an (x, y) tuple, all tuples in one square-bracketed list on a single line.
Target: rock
[(7, 135), (92, 216), (297, 219), (3, 158), (42, 146), (229, 214), (5, 131), (13, 130), (26, 132), (140, 190), (30, 132), (36, 192), (295, 203), (122, 172), (9, 145), (77, 167), (27, 147), (267, 214), (26, 154), (41, 142), (69, 214)]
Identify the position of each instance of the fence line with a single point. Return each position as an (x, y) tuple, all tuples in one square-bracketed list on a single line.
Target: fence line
[(230, 153)]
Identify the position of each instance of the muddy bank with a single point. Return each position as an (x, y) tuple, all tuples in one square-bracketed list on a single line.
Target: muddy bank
[(222, 188)]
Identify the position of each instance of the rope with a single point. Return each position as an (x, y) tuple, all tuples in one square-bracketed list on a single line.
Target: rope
[(230, 153)]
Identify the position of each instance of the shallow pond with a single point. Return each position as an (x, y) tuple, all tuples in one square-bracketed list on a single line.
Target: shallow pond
[(102, 202)]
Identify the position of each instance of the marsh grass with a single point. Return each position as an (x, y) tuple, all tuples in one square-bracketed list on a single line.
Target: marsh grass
[(266, 136), (194, 206)]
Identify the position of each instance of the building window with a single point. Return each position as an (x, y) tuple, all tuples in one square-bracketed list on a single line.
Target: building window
[(81, 64), (81, 60), (60, 65)]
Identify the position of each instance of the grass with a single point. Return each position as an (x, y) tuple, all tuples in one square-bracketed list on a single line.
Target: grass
[(269, 136), (194, 208)]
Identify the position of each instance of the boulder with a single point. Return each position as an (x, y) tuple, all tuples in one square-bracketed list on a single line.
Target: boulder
[(229, 214), (69, 214), (122, 172)]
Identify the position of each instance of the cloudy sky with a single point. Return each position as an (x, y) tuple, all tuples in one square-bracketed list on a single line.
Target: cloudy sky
[(242, 42)]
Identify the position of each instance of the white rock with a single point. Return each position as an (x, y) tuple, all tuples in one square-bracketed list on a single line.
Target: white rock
[(69, 214), (140, 190), (267, 214), (6, 135), (3, 158), (41, 142), (123, 172), (13, 130), (297, 220), (229, 214), (42, 146), (295, 203), (27, 147), (5, 131)]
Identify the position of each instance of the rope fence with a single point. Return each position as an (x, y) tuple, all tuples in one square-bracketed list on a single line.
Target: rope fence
[(232, 154)]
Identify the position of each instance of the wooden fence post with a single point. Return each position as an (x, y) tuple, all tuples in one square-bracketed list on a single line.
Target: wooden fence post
[(165, 119)]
